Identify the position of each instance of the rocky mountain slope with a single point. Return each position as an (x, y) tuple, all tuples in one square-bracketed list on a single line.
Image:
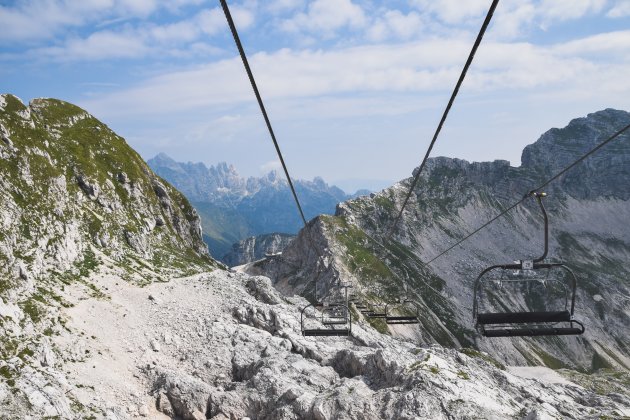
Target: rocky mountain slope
[(256, 247), (69, 184), (233, 208), (96, 321), (75, 198), (589, 211), (228, 346)]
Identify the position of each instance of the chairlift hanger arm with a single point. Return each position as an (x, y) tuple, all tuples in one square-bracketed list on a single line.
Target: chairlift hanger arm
[(539, 196)]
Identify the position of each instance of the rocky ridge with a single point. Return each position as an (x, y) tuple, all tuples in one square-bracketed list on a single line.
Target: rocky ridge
[(588, 208), (111, 331), (70, 184), (256, 247)]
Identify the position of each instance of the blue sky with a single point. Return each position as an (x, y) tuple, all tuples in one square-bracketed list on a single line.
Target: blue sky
[(354, 88)]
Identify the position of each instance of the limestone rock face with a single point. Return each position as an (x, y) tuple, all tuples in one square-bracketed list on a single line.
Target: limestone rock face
[(589, 210), (257, 247), (231, 348), (96, 320)]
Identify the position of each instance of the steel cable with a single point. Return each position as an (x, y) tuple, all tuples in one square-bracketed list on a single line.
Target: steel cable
[(471, 55)]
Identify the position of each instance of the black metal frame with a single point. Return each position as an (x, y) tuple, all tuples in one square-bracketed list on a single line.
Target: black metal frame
[(329, 318), (528, 323), (376, 314), (325, 332), (331, 331), (402, 319)]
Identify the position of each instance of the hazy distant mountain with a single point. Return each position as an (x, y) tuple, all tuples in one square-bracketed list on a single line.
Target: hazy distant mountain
[(233, 208)]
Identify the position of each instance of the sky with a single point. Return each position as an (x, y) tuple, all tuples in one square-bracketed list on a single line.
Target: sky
[(354, 88)]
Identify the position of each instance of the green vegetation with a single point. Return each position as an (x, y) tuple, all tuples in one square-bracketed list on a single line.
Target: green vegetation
[(463, 375), (483, 356), (8, 376), (385, 202), (63, 147), (359, 257), (378, 324), (602, 382)]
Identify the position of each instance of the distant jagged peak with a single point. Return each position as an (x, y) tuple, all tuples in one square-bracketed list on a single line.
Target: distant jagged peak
[(163, 158)]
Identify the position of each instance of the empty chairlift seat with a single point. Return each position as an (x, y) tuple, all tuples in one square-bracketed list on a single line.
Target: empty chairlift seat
[(549, 318), (333, 326), (406, 317)]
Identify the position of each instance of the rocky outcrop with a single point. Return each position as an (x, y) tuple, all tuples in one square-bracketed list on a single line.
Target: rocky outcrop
[(257, 247), (228, 346), (589, 231)]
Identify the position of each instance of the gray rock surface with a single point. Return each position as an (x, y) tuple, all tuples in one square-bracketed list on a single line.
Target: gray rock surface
[(235, 351), (256, 247)]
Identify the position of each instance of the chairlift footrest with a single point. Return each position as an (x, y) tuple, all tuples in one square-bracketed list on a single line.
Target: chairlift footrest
[(532, 332), (522, 317), (326, 332)]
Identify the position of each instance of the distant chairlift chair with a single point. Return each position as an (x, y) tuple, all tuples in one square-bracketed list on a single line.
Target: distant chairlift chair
[(336, 314), (528, 323), (329, 321), (401, 319), (376, 314)]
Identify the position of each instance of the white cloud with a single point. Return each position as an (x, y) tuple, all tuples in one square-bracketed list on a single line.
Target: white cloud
[(614, 45), (395, 24), (211, 21), (453, 11), (98, 46), (278, 6), (511, 19), (34, 20), (327, 16), (620, 9), (178, 39), (421, 67), (561, 10)]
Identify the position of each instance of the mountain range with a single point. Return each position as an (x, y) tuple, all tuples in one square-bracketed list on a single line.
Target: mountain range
[(111, 307), (589, 210), (233, 208)]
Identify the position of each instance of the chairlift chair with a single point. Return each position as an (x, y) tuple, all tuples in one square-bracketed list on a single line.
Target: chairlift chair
[(528, 323), (335, 314), (326, 332), (401, 319), (377, 314)]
